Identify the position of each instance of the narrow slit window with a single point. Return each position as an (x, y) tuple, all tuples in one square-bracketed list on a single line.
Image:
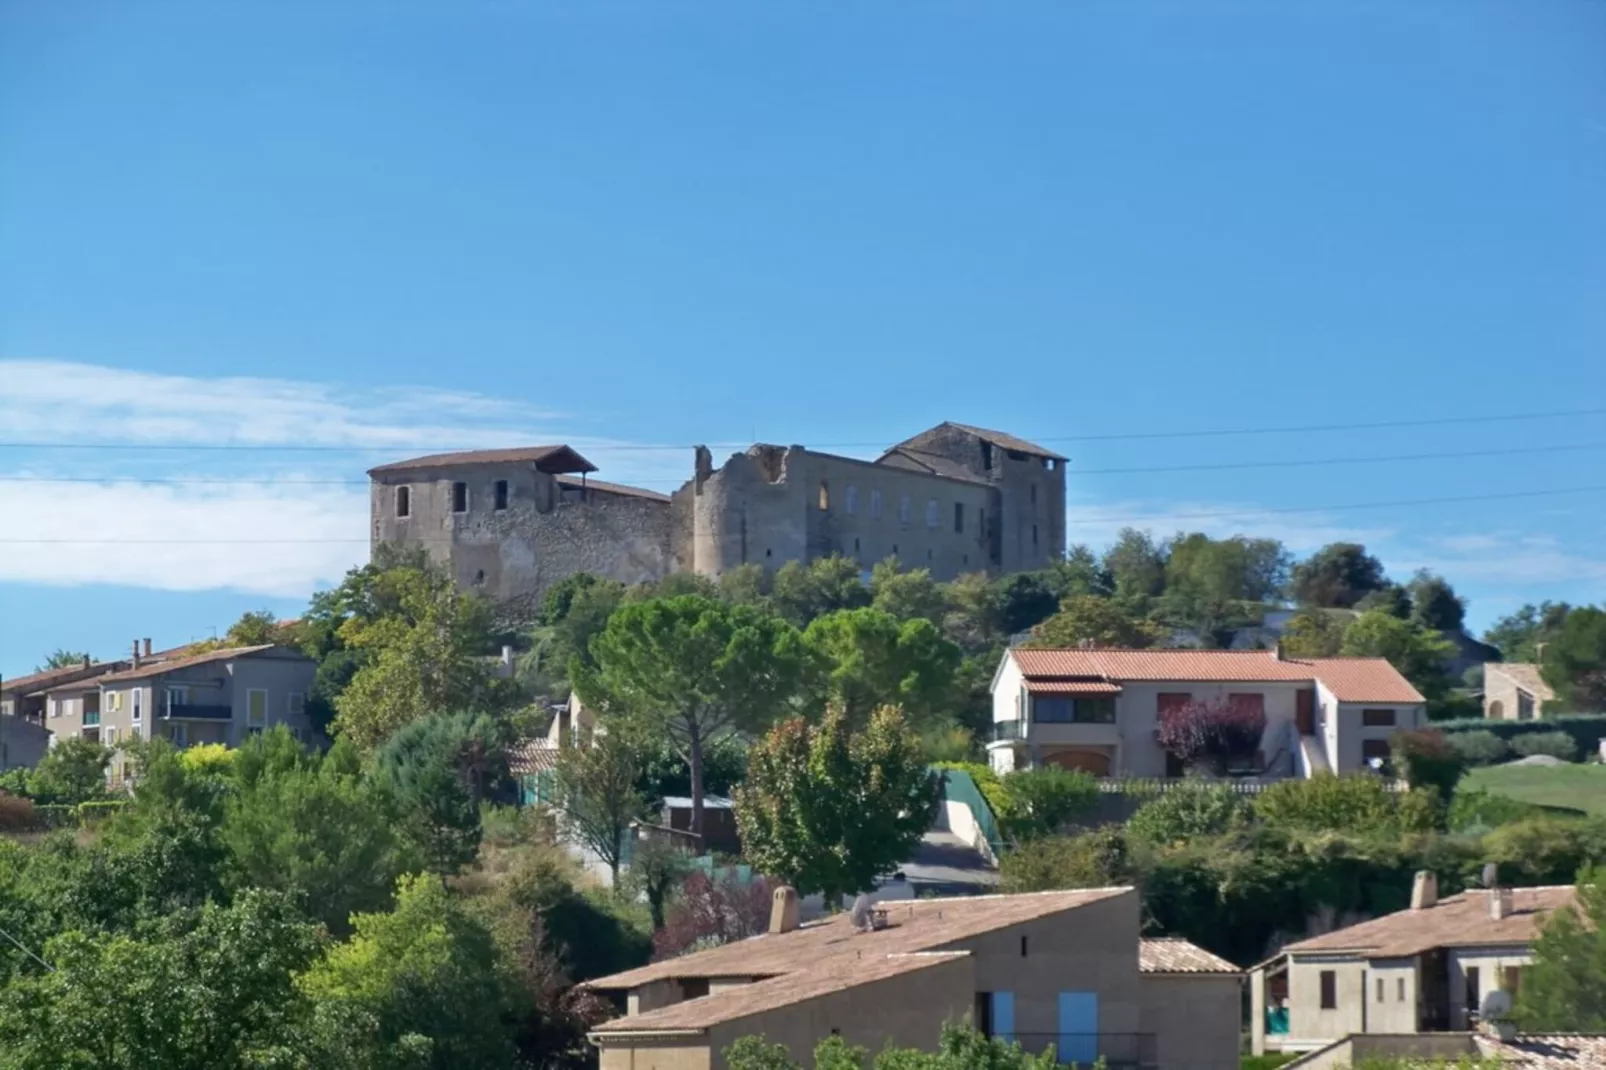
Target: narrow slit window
[(825, 495), (459, 497), (501, 494), (404, 501)]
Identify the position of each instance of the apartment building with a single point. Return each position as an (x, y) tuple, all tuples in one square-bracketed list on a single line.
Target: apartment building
[(1098, 709), (1065, 969), (1421, 970)]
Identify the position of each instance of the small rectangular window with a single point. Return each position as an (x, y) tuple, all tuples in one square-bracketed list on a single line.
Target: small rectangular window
[(137, 695), (295, 704), (109, 736), (256, 707), (1034, 534), (959, 516), (825, 495), (1399, 990), (903, 508), (1329, 990), (1473, 992), (850, 499), (459, 497), (404, 501), (1380, 990), (931, 512), (1377, 718), (501, 494), (875, 504)]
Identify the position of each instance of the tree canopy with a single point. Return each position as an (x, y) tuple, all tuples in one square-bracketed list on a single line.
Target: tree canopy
[(1338, 575)]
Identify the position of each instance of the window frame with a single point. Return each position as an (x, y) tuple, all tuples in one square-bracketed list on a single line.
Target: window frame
[(404, 502), (850, 500), (932, 514), (501, 494), (459, 497), (875, 504), (1371, 717), (250, 719), (1328, 981), (295, 703), (959, 518)]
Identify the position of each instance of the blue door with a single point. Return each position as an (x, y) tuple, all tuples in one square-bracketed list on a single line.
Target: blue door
[(1004, 1016), (1079, 1028)]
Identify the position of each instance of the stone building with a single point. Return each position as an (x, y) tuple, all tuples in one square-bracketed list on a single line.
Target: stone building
[(510, 523)]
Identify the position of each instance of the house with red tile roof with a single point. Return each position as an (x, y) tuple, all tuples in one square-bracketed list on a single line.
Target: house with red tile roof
[(1099, 709)]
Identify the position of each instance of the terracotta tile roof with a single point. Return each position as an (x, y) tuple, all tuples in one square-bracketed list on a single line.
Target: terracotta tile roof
[(533, 757), (915, 925), (612, 488), (160, 667), (1008, 442), (1455, 921), (1072, 687), (1172, 954), (780, 991), (1524, 674), (1349, 679), (1546, 1051), (41, 681), (552, 455)]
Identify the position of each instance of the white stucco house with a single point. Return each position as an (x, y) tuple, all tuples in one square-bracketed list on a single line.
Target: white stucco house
[(1098, 709)]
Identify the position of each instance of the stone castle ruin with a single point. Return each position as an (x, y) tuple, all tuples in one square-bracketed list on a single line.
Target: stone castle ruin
[(510, 523)]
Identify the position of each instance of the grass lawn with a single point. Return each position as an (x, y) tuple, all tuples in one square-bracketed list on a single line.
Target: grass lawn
[(1579, 787)]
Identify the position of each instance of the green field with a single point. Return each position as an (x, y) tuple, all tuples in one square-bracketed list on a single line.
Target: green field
[(1577, 787)]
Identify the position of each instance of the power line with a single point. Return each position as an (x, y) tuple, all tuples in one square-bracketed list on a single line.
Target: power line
[(639, 447), (1166, 517), (1138, 470)]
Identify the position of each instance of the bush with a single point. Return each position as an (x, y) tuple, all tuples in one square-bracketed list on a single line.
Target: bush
[(1426, 760), (1545, 850), (1327, 803), (16, 814), (1186, 812), (1555, 744), (1478, 747), (92, 813), (1095, 859), (1213, 734), (1042, 801), (1586, 729)]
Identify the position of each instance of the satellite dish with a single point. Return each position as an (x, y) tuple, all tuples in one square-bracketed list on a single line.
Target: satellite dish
[(861, 914), (1491, 874), (1496, 1006)]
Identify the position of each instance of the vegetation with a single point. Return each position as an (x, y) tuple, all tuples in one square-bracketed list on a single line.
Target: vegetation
[(1211, 734), (598, 792), (1581, 788), (959, 1048), (1565, 987), (1551, 744), (62, 659)]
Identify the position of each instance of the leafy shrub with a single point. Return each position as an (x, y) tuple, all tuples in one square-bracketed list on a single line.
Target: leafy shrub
[(1555, 744), (1042, 801), (15, 782), (1094, 859), (1586, 729), (16, 813), (1478, 747), (1327, 803), (208, 759), (94, 812), (1212, 733), (1419, 810), (1186, 812), (709, 911), (1473, 810), (1545, 850), (1426, 760)]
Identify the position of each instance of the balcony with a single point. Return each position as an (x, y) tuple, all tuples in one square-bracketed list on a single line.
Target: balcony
[(185, 711), (1127, 1051), (91, 718), (1006, 732)]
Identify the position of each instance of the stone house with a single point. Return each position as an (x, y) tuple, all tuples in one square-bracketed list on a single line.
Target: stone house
[(1514, 691), (511, 523), (1098, 709), (1066, 969), (1421, 970)]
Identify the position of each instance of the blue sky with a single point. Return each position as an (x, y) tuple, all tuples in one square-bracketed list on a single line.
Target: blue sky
[(381, 226)]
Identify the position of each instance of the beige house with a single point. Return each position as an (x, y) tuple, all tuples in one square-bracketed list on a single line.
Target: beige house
[(1098, 709), (1514, 691), (1421, 970), (1065, 969)]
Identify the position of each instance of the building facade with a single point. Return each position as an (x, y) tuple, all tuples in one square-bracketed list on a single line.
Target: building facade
[(1514, 691), (511, 523)]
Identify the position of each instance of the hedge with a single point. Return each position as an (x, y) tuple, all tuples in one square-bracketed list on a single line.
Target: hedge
[(1586, 729)]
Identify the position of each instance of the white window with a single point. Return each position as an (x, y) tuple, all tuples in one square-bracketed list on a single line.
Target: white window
[(109, 736), (51, 709), (256, 708), (850, 500), (875, 504), (295, 704), (177, 696), (113, 701), (931, 512), (903, 508), (137, 695)]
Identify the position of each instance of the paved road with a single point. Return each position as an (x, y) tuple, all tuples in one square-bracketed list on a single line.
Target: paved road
[(943, 865)]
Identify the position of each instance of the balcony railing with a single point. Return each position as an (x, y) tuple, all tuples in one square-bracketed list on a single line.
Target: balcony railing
[(1006, 731), (185, 711), (1132, 1051)]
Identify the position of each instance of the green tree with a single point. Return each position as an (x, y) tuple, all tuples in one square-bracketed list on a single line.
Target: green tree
[(906, 595), (694, 671), (258, 628), (422, 986), (62, 658), (829, 810), (1327, 803), (1518, 636), (1136, 566), (802, 592), (437, 772), (1575, 662), (313, 829), (1391, 598), (423, 645), (871, 659), (1418, 653), (745, 585), (1564, 990), (72, 771), (1338, 575), (1100, 621), (1043, 800), (597, 793), (1191, 810), (1434, 603), (1023, 600), (1313, 633), (1096, 859), (207, 990), (1079, 572), (656, 871), (1214, 586)]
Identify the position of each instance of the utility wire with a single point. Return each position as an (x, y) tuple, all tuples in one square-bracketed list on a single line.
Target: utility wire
[(630, 447), (1231, 465), (1073, 519), (24, 949)]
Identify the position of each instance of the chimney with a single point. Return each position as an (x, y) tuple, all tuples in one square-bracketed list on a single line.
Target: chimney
[(1499, 903), (783, 910), (1424, 890), (147, 648), (1277, 652), (86, 661), (136, 654)]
